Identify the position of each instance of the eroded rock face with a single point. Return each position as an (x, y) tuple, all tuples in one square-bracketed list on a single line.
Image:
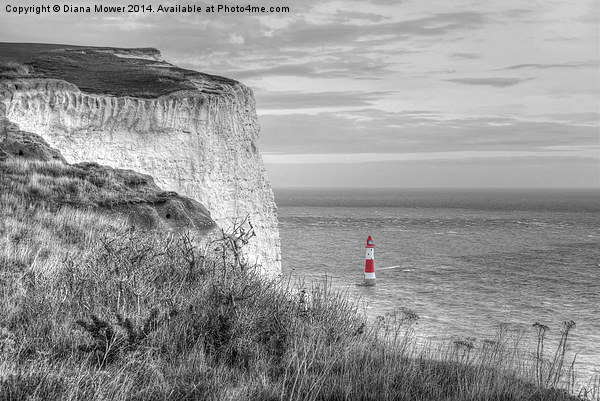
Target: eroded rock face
[(17, 143), (200, 143)]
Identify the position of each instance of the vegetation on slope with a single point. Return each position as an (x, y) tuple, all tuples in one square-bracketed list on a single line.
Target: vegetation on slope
[(94, 309), (99, 70), (33, 171)]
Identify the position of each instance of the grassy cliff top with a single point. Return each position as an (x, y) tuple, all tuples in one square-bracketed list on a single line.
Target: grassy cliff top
[(103, 70)]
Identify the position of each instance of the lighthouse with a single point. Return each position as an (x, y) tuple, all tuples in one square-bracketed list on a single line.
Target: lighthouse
[(370, 262)]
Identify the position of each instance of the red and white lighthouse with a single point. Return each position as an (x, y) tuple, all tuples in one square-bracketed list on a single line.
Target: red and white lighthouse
[(370, 262)]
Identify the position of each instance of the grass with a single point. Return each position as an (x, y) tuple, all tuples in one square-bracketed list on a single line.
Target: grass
[(95, 70), (86, 184), (154, 317), (54, 186), (95, 309)]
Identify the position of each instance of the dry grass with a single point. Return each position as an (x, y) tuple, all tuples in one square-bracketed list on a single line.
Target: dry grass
[(86, 184), (93, 310)]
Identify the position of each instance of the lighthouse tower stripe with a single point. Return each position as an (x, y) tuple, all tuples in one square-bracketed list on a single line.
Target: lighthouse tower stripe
[(369, 259)]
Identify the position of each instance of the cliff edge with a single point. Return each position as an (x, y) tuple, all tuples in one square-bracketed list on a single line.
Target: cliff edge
[(194, 133)]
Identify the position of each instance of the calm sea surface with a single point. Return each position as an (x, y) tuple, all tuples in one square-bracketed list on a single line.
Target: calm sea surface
[(466, 261)]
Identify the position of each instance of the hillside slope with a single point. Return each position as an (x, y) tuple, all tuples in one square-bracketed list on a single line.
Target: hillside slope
[(96, 307)]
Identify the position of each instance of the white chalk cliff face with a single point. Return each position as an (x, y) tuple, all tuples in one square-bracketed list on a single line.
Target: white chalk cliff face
[(199, 142)]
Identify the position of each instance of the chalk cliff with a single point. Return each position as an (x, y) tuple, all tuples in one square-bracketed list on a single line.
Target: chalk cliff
[(194, 133)]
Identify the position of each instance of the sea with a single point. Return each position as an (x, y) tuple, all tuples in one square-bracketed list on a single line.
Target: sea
[(469, 263)]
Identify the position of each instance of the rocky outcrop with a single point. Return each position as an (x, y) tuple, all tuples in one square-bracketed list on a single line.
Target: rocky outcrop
[(199, 141), (143, 203), (17, 143)]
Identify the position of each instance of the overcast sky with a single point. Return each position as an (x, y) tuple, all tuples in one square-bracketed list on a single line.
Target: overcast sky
[(416, 93)]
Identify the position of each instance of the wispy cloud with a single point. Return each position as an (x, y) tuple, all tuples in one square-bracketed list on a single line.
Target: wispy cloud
[(494, 81), (584, 119), (417, 131), (299, 100), (465, 56), (552, 65), (304, 33), (338, 65), (359, 16)]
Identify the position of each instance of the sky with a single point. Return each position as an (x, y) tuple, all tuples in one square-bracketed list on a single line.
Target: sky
[(380, 93)]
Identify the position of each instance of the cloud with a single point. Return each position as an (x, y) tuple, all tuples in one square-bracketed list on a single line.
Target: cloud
[(586, 119), (299, 100), (285, 70), (305, 33), (335, 66), (465, 56), (359, 16), (554, 65), (375, 131), (494, 81)]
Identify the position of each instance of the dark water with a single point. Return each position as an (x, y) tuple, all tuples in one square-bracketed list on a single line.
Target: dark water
[(467, 262)]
